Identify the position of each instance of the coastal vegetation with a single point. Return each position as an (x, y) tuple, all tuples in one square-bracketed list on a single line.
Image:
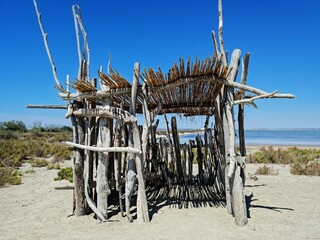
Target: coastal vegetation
[(303, 161), (18, 144)]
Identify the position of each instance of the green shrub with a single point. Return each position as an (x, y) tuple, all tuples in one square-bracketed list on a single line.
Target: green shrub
[(65, 173), (9, 176), (39, 163), (13, 125), (7, 134)]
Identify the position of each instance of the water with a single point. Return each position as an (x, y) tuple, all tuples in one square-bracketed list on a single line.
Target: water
[(268, 137)]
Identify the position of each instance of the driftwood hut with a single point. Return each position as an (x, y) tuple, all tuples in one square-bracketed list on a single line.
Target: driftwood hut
[(113, 154)]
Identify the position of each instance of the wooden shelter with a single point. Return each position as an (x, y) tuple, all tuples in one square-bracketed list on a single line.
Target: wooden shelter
[(112, 154)]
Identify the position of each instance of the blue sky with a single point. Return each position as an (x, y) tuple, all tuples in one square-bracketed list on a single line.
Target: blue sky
[(282, 36)]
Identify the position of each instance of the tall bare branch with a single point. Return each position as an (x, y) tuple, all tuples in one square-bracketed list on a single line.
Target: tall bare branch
[(45, 40)]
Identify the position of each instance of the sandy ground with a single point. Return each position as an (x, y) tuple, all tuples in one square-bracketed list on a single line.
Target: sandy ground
[(283, 206)]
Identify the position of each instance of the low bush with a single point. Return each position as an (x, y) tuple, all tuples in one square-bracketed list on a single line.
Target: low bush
[(13, 125), (311, 168), (7, 134), (39, 163), (60, 152), (9, 176), (65, 173)]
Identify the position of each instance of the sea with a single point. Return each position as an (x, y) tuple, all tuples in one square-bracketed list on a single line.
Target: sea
[(275, 137)]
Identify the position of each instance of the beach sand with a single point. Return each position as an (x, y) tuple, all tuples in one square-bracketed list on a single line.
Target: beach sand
[(283, 206)]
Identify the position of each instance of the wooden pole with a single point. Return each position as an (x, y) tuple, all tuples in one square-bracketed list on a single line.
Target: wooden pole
[(45, 40), (142, 204), (78, 170), (190, 161), (104, 141), (244, 74), (170, 151), (199, 159), (177, 150)]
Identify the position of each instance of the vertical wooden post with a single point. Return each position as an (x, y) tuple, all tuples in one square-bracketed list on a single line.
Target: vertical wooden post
[(80, 205), (142, 204), (131, 173), (170, 152), (233, 170), (93, 140), (190, 161), (199, 159), (117, 161), (104, 140), (219, 144), (244, 75), (211, 155), (183, 162), (205, 157), (177, 150)]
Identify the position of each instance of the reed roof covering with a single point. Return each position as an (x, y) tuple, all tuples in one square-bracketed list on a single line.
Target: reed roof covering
[(188, 87)]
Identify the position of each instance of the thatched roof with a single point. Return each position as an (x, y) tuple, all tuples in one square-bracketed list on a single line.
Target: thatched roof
[(188, 88)]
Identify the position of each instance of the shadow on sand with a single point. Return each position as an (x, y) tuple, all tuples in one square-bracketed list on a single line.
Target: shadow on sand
[(250, 199)]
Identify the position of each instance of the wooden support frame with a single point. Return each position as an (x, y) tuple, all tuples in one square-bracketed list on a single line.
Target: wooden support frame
[(94, 111)]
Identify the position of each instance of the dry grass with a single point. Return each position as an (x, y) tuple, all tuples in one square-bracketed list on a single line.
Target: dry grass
[(311, 168), (265, 170)]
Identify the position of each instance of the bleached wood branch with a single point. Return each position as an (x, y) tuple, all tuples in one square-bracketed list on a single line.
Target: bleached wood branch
[(77, 37), (245, 66), (230, 146), (232, 154), (215, 44), (47, 106), (86, 52), (102, 86), (224, 56), (45, 40), (108, 149), (85, 40), (251, 100)]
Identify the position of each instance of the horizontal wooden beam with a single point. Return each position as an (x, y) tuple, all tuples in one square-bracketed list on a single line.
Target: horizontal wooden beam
[(48, 106), (107, 112), (108, 149)]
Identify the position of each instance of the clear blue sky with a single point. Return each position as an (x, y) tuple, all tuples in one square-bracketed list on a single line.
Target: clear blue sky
[(283, 37)]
